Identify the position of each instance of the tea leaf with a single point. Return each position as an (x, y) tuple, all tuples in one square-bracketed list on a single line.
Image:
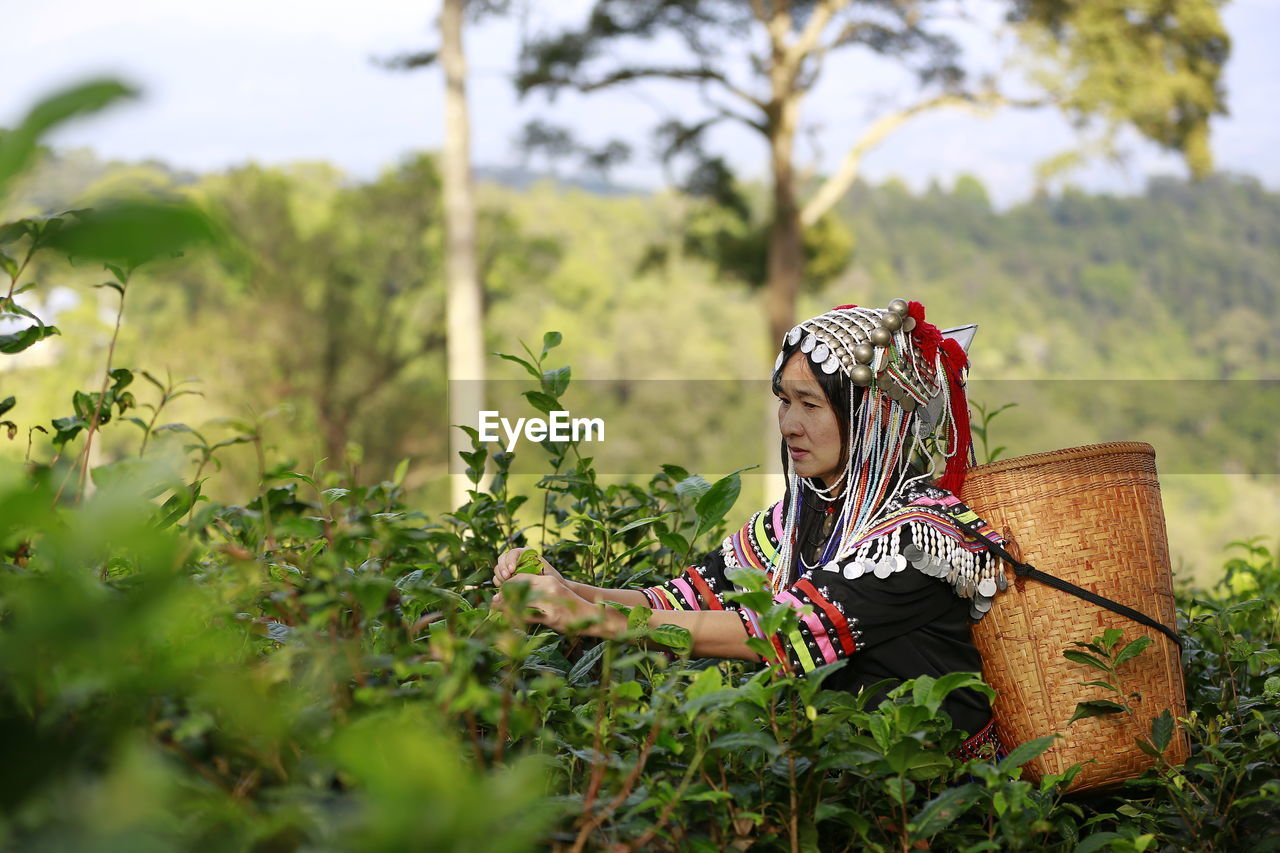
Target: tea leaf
[(1095, 708), (1132, 650)]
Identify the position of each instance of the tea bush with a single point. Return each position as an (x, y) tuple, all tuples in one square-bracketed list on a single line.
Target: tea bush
[(318, 668)]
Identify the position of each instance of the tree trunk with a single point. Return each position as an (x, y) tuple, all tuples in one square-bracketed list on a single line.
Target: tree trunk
[(463, 321), (785, 266)]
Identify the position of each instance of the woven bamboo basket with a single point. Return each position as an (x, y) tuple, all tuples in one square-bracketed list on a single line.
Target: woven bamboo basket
[(1092, 516)]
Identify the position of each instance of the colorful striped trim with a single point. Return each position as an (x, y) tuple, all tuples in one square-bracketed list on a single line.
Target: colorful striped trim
[(920, 516), (710, 600)]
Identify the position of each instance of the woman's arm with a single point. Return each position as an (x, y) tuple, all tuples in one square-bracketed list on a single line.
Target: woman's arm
[(557, 604), (505, 570), (599, 594)]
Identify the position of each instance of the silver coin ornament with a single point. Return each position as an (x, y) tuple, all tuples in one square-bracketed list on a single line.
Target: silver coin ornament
[(1002, 583), (899, 562), (853, 570), (883, 569), (987, 588), (820, 353), (983, 604), (831, 365), (832, 566), (809, 342), (777, 364), (794, 335), (912, 552)]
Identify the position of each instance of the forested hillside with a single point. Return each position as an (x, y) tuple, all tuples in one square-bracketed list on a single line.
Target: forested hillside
[(329, 322)]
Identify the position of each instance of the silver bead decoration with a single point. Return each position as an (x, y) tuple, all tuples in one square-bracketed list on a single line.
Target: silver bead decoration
[(909, 324), (861, 376), (810, 341), (899, 307), (863, 353), (892, 322), (881, 336)]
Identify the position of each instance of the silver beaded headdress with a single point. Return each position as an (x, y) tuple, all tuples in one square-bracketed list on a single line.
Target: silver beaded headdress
[(913, 407)]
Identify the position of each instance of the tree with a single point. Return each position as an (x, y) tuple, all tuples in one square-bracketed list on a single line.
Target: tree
[(1124, 63), (464, 294)]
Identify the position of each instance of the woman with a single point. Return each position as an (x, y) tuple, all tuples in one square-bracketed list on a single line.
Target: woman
[(865, 544)]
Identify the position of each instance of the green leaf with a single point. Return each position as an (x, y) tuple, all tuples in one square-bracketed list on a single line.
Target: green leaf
[(735, 741), (402, 470), (18, 146), (1085, 658), (585, 663), (1097, 841), (675, 542), (7, 403), (942, 810), (550, 341), (134, 231), (718, 500), (1162, 730), (1106, 684), (638, 617), (114, 285), (15, 342), (9, 265), (1110, 637), (1022, 753), (692, 487), (533, 371), (675, 637), (555, 382), (1095, 708), (527, 563), (542, 402), (640, 523), (1132, 650)]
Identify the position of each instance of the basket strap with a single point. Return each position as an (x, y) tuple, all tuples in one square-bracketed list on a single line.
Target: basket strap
[(1026, 570)]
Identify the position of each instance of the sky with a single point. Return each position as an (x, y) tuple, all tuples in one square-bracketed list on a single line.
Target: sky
[(276, 81)]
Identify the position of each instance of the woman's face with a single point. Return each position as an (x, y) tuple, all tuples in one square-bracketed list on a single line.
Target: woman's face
[(808, 422)]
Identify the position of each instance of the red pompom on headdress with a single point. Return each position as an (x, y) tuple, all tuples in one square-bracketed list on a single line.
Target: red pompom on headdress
[(954, 362)]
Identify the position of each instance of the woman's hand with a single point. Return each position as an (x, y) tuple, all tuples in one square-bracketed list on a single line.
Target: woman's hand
[(551, 602), (505, 568)]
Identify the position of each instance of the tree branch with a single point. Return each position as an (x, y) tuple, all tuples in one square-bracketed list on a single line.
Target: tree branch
[(628, 74), (834, 188), (818, 21)]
